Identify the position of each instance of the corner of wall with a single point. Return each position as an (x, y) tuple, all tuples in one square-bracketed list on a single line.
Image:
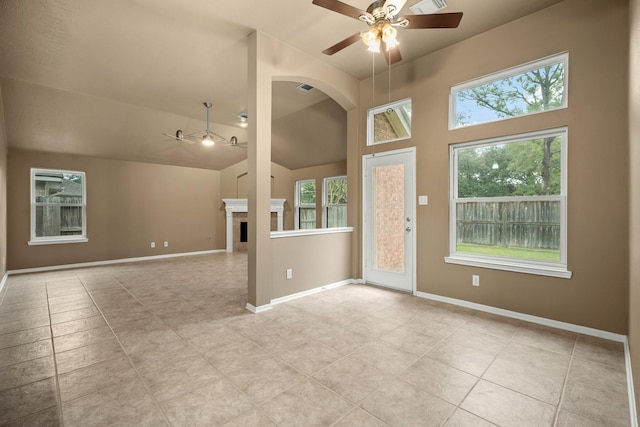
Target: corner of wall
[(3, 190)]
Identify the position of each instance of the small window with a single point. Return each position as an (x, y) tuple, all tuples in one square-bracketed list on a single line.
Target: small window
[(527, 89), (335, 202), (388, 123), (508, 203), (58, 207), (305, 204)]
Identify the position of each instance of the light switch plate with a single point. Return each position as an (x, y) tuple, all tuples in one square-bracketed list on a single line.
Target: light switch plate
[(423, 200)]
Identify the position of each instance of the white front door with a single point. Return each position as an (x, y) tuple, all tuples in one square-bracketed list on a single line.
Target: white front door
[(389, 219)]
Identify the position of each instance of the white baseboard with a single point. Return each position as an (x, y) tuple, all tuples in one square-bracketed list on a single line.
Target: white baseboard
[(558, 325), (3, 281), (111, 261), (527, 317), (311, 291), (260, 309), (633, 412)]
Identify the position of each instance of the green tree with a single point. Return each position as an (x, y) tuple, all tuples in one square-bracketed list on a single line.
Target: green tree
[(537, 90)]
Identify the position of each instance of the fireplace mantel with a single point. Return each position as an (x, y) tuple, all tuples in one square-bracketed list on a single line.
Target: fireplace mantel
[(241, 205)]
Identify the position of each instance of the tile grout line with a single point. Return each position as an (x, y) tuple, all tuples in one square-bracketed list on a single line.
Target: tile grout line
[(224, 376), (144, 384), (564, 383), (55, 360)]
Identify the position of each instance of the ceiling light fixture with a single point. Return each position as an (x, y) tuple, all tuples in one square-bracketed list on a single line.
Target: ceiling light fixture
[(382, 32), (207, 139), (243, 119)]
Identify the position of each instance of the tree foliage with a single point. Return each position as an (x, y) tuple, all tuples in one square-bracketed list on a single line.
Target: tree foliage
[(530, 168), (505, 170)]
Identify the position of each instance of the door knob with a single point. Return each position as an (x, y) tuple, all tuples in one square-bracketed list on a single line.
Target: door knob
[(408, 228)]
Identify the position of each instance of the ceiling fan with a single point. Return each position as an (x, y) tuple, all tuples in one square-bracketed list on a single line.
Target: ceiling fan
[(207, 137), (382, 18)]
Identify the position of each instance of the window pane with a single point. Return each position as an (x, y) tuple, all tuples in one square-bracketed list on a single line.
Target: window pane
[(521, 168), (337, 191), (307, 218), (58, 221), (336, 216), (388, 214), (526, 90), (307, 193), (58, 188), (518, 229), (392, 124)]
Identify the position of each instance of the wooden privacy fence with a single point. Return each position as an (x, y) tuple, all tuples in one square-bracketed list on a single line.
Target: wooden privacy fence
[(54, 218), (522, 224)]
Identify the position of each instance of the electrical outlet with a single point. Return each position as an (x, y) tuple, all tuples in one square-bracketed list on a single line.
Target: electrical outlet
[(475, 280), (289, 273), (153, 245), (166, 244)]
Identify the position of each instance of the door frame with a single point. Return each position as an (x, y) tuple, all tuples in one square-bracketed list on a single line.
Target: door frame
[(412, 194)]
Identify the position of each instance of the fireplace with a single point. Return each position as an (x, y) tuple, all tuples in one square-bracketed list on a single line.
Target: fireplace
[(236, 210)]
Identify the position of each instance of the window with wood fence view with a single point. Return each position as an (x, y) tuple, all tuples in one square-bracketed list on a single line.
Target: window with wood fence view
[(58, 204), (509, 199)]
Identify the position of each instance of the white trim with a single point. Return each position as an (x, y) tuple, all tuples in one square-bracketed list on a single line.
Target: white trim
[(111, 261), (242, 205), (308, 292), (506, 73), (48, 240), (558, 325), (526, 317), (3, 282), (510, 265), (371, 112), (520, 265), (413, 198), (256, 310), (630, 389), (310, 232), (56, 241), (297, 205), (325, 193)]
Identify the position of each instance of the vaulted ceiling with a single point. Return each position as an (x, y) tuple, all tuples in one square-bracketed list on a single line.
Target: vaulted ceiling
[(107, 78)]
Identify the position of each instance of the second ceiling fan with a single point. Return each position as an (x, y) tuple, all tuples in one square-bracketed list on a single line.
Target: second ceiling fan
[(383, 20)]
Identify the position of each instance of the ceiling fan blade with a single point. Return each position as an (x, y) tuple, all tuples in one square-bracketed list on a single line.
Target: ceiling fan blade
[(341, 45), (176, 138), (392, 56), (433, 20), (340, 7)]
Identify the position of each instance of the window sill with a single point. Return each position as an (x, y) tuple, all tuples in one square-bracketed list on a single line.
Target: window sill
[(57, 241), (511, 265)]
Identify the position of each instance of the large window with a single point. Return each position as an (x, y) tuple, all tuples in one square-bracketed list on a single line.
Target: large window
[(58, 207), (508, 203), (530, 88), (305, 204), (335, 202)]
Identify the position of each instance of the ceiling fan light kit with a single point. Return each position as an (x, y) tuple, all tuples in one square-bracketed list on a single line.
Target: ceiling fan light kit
[(382, 18)]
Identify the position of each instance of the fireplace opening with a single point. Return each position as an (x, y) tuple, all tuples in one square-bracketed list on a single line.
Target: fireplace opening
[(243, 232)]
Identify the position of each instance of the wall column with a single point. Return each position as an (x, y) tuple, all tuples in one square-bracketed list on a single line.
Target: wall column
[(259, 175)]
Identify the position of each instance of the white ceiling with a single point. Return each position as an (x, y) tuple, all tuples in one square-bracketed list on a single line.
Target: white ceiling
[(107, 78)]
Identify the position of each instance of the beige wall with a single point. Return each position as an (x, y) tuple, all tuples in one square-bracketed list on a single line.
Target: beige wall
[(129, 205), (3, 192), (634, 232), (316, 260), (596, 36)]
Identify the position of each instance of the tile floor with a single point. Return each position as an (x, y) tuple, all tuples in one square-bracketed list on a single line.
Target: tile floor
[(170, 343)]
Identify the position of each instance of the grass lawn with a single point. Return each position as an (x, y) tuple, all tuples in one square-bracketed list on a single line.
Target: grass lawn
[(537, 254)]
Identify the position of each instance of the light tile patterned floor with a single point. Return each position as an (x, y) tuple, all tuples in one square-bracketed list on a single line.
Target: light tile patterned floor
[(170, 343)]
